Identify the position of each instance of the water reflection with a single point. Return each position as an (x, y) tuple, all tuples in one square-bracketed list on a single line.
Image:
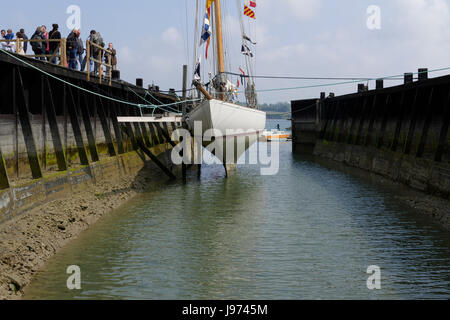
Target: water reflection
[(309, 232)]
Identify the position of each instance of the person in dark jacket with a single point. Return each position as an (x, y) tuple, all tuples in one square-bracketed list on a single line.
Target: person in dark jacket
[(113, 57), (39, 46), (72, 45), (25, 40), (54, 45), (80, 49)]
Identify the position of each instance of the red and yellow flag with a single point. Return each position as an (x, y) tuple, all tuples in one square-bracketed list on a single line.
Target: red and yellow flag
[(249, 12)]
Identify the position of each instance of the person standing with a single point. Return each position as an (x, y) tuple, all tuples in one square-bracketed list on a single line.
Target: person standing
[(38, 46), (20, 44), (9, 35), (96, 52), (46, 44), (25, 40), (9, 45), (4, 44), (113, 55), (72, 45), (80, 50), (54, 45)]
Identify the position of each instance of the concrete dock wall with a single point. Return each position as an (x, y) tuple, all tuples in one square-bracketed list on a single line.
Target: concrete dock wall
[(399, 132)]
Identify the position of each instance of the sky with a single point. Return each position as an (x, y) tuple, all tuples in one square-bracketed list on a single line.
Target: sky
[(312, 38)]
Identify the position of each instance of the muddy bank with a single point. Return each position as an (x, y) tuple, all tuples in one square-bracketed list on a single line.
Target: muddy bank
[(29, 240)]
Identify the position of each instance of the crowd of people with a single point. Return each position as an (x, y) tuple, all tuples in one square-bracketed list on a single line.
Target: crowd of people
[(46, 50)]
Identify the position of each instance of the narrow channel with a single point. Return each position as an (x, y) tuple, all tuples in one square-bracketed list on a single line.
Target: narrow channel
[(309, 232)]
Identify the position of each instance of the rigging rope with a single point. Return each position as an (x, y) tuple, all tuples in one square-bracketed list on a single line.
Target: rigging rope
[(149, 106)]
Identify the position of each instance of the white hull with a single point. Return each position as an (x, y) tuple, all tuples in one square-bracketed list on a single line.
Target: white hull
[(236, 127)]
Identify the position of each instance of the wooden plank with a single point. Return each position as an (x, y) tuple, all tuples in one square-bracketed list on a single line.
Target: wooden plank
[(72, 111), (117, 131), (84, 106), (106, 128), (398, 127), (150, 119), (151, 156), (54, 130), (384, 121), (362, 120), (27, 131), (4, 181), (372, 116), (329, 133), (165, 133), (443, 142), (355, 116), (44, 129), (412, 125), (154, 133), (426, 125), (344, 115)]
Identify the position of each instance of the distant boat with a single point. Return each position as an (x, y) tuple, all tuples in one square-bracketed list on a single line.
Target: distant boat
[(218, 111), (275, 135)]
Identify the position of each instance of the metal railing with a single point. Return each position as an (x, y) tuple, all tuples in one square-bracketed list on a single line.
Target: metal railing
[(60, 51)]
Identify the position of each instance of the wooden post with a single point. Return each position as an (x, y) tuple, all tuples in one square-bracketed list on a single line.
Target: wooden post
[(412, 126), (16, 125), (384, 121), (443, 142), (61, 50), (100, 66), (88, 60), (84, 106), (54, 130), (64, 50), (117, 132), (106, 128), (354, 115), (76, 128), (27, 131), (327, 108), (4, 181), (373, 114), (426, 126), (44, 130), (362, 120), (151, 155), (110, 69), (335, 120), (398, 127)]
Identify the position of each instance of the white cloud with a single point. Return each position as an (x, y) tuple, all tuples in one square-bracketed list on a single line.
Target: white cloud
[(171, 36), (303, 9), (282, 10)]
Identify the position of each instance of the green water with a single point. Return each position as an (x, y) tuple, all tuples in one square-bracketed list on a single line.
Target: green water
[(309, 232)]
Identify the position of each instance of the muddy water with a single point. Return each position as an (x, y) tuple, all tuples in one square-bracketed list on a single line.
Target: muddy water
[(309, 232)]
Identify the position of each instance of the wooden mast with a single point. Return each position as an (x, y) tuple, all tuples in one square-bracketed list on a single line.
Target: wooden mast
[(218, 18)]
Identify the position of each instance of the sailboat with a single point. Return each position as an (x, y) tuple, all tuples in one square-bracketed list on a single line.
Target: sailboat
[(234, 127)]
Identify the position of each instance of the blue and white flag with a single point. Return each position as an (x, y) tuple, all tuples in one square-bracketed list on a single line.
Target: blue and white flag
[(206, 32)]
